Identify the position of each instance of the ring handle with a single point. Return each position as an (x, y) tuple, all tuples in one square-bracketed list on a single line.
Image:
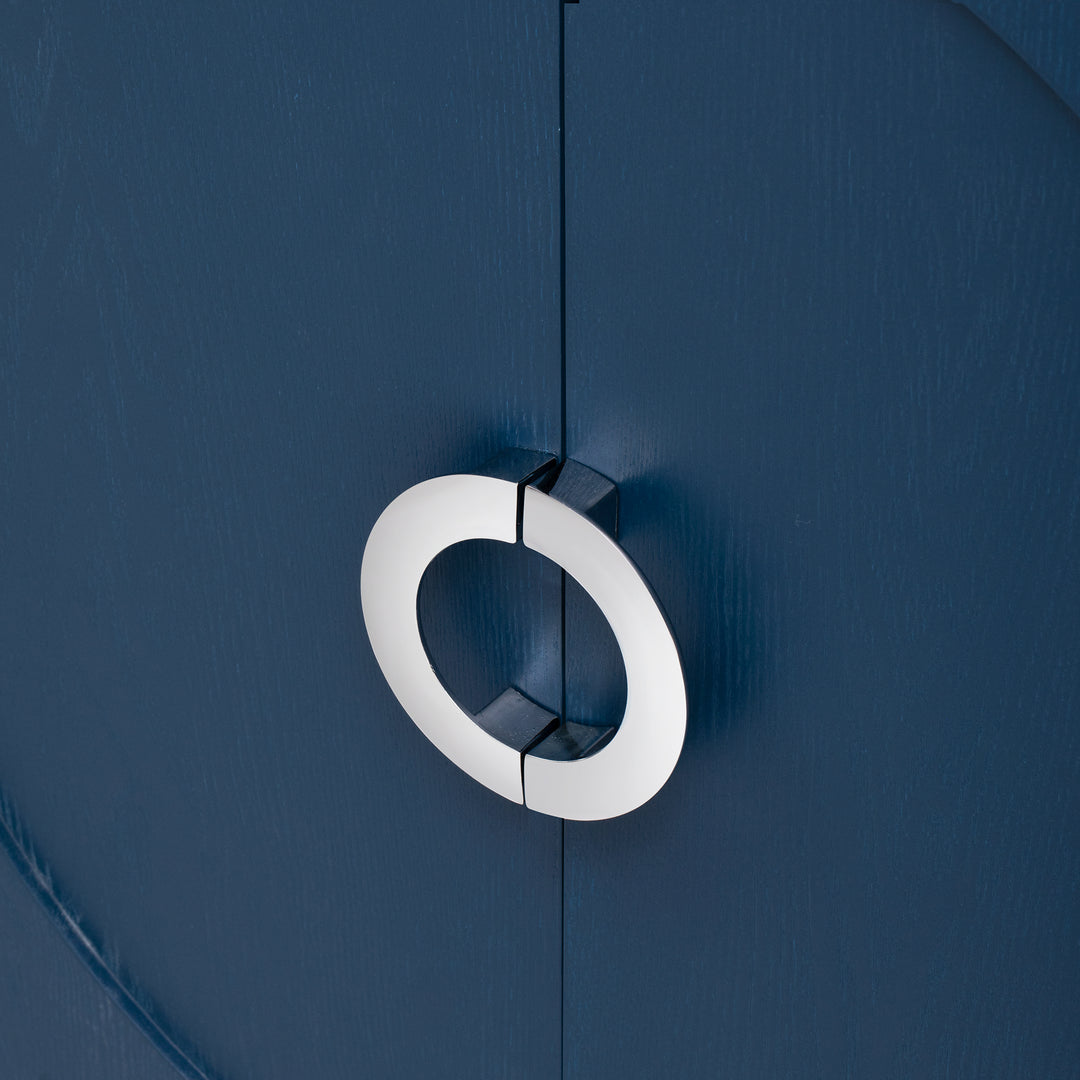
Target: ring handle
[(638, 758)]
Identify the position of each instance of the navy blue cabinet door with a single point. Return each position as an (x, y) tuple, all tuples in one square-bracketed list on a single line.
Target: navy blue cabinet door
[(264, 267), (823, 330)]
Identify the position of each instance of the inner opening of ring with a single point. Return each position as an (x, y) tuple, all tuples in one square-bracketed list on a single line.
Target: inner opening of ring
[(492, 617)]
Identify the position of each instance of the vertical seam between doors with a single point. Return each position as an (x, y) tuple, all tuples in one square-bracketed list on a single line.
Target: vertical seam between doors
[(562, 457), (562, 230)]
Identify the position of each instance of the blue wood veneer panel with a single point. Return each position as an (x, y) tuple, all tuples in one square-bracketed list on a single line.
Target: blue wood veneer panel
[(263, 267), (1045, 33), (824, 332), (55, 1018)]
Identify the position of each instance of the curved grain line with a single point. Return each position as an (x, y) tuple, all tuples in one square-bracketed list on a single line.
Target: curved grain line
[(16, 844)]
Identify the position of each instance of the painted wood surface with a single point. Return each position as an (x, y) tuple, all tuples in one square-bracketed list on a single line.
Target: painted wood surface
[(264, 268), (57, 1021), (823, 331), (1044, 33)]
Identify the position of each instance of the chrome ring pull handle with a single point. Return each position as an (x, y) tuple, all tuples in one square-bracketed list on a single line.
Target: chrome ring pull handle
[(513, 746)]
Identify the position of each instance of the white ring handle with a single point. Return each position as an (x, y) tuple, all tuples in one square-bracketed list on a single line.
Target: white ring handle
[(433, 515)]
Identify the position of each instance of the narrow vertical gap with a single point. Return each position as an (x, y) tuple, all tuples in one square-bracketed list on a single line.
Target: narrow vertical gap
[(562, 950), (562, 457), (562, 230)]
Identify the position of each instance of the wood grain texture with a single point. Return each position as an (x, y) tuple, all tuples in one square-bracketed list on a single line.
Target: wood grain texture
[(262, 269), (58, 1022), (1043, 33), (823, 331)]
